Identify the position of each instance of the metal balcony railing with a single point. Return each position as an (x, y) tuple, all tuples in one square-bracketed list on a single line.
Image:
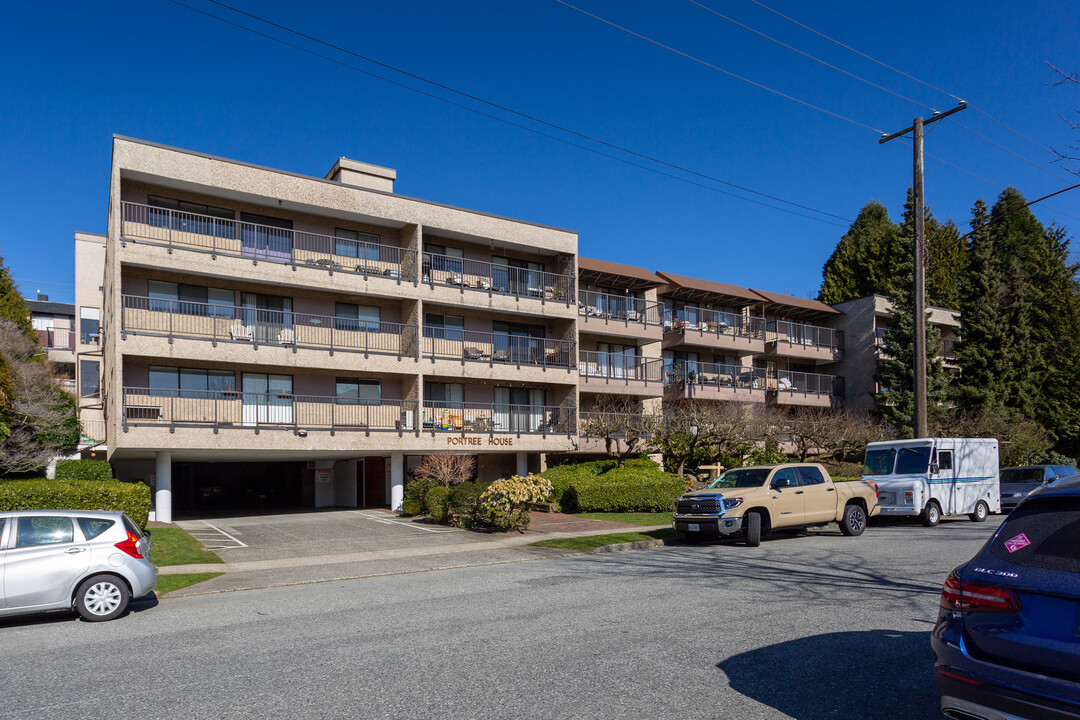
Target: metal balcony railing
[(806, 383), (714, 322), (56, 338), (238, 409), (467, 417), (948, 349), (231, 323), (457, 344), (719, 376), (217, 236), (619, 308), (489, 277), (93, 430), (813, 336), (616, 366)]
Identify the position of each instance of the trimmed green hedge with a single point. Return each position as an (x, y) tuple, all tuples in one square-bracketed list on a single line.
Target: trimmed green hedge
[(83, 470), (131, 498), (601, 486)]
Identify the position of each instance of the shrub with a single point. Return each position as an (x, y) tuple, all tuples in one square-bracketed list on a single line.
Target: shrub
[(83, 470), (436, 503), (415, 493), (506, 502), (601, 486), (464, 504), (131, 498)]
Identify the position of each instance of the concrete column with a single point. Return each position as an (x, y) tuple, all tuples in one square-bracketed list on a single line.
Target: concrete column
[(522, 464), (163, 497), (397, 480)]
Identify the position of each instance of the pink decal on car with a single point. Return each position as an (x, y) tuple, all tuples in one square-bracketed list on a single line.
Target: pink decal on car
[(1017, 543)]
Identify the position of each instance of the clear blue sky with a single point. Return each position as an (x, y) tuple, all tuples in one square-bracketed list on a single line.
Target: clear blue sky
[(72, 74)]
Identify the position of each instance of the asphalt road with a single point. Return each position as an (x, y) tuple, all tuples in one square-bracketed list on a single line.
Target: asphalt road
[(810, 627)]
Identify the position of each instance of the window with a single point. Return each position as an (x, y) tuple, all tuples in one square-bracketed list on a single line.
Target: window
[(191, 217), (46, 530), (348, 316), (92, 527), (444, 259), (784, 474), (1042, 533), (263, 236), (444, 327), (359, 391), (811, 476), (190, 382), (944, 460), (437, 394), (912, 460), (220, 302), (879, 462), (353, 244), (89, 324), (89, 380)]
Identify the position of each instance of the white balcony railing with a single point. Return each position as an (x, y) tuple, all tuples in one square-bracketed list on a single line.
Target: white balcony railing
[(495, 278), (217, 236), (619, 308)]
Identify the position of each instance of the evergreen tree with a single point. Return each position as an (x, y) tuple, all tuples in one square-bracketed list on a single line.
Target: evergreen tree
[(865, 260), (944, 266), (896, 374), (983, 333), (12, 305)]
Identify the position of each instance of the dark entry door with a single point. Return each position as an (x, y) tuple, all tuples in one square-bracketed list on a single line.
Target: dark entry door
[(374, 482)]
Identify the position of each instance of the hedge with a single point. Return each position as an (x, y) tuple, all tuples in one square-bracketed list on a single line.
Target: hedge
[(601, 486), (131, 498), (83, 470)]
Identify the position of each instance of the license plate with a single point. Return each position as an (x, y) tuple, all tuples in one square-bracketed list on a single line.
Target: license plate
[(694, 527)]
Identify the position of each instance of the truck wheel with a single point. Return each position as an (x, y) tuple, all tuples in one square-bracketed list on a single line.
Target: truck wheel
[(854, 521), (753, 529), (931, 514), (981, 512)]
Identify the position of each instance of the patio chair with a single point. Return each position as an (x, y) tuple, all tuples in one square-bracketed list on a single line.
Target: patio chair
[(502, 355), (287, 337), (241, 332), (472, 353)]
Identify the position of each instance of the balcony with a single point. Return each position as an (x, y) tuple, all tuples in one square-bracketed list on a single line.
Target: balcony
[(232, 238), (948, 352), (56, 338), (618, 373), (805, 342), (619, 315), (732, 332), (452, 276), (496, 419), (806, 389), (194, 330), (506, 357), (711, 381)]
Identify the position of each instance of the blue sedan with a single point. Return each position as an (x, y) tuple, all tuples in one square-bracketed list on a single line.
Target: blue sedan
[(1007, 638)]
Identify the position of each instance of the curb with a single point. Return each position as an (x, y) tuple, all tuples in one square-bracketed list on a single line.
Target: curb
[(635, 545)]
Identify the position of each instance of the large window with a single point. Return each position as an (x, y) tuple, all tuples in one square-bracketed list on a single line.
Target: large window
[(444, 327), (89, 379), (190, 299), (190, 382), (191, 217), (353, 244), (89, 325), (348, 316), (359, 391), (444, 259), (437, 394)]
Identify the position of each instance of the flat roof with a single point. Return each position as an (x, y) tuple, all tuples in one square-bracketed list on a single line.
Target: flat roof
[(54, 308)]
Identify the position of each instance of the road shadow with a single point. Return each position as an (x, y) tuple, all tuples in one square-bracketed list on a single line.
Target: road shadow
[(883, 674), (53, 617)]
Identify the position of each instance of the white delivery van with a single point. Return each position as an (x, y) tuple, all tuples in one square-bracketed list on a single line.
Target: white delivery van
[(932, 477)]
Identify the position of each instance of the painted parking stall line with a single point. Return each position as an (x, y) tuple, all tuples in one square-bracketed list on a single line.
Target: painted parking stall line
[(214, 538), (382, 519)]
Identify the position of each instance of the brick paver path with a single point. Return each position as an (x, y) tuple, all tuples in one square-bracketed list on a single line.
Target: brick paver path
[(542, 522)]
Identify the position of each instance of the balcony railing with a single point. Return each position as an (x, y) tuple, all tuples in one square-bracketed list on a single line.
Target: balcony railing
[(456, 344), (237, 409), (714, 375), (217, 236), (616, 366), (813, 336), (496, 418), (56, 338), (714, 322), (493, 278), (619, 308), (230, 323), (948, 349), (807, 383), (93, 430)]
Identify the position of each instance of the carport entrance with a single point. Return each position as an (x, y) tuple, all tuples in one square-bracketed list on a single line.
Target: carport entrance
[(201, 489)]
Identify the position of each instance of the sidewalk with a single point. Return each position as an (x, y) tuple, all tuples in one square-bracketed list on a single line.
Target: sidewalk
[(460, 549)]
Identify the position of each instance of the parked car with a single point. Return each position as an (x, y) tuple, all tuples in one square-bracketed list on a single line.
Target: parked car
[(1007, 637), (755, 500), (94, 562), (1019, 482)]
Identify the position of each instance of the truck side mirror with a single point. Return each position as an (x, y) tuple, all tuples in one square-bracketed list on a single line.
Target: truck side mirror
[(934, 468), (781, 483)]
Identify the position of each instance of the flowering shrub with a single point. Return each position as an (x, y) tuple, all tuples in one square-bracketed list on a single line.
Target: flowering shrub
[(507, 502)]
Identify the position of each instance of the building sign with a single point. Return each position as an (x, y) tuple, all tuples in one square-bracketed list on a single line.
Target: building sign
[(323, 475), (479, 441)]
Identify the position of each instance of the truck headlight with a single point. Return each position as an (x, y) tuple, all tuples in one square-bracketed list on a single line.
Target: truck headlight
[(732, 503)]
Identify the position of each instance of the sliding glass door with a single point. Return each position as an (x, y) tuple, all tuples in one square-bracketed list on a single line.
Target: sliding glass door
[(267, 399), (519, 409)]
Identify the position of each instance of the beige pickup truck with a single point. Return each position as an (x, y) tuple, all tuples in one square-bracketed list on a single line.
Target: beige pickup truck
[(756, 500)]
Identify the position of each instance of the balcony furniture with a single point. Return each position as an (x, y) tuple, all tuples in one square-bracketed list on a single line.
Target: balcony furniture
[(481, 424), (483, 284), (455, 280), (502, 355), (633, 315), (287, 337), (784, 384), (473, 353), (369, 269), (242, 332)]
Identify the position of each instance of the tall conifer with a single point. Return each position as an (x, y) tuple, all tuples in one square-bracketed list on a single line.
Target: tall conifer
[(865, 260)]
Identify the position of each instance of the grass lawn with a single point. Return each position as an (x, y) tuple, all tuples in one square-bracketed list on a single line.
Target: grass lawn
[(169, 583), (173, 546), (631, 518), (594, 541)]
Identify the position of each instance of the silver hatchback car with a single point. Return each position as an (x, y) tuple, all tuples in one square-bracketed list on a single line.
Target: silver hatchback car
[(94, 561)]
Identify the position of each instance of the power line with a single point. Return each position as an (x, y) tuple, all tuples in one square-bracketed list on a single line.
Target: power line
[(1016, 155), (808, 55), (1018, 208), (506, 109), (714, 67)]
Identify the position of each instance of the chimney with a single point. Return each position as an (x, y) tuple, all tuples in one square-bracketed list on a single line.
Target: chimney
[(362, 175), (42, 297)]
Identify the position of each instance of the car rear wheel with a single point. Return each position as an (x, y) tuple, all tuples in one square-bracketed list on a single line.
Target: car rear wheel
[(102, 597), (931, 514), (981, 512), (753, 529), (854, 521)]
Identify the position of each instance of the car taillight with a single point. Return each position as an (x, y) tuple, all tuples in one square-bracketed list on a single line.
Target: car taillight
[(130, 546), (969, 596)]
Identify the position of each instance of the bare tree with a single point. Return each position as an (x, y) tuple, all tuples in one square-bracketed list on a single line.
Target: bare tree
[(819, 434), (1067, 158), (36, 416), (447, 468), (697, 432), (622, 425)]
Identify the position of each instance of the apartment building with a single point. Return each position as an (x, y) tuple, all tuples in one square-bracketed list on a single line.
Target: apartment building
[(274, 339), (54, 326)]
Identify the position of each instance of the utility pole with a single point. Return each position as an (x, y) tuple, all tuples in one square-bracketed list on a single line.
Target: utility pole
[(920, 253)]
